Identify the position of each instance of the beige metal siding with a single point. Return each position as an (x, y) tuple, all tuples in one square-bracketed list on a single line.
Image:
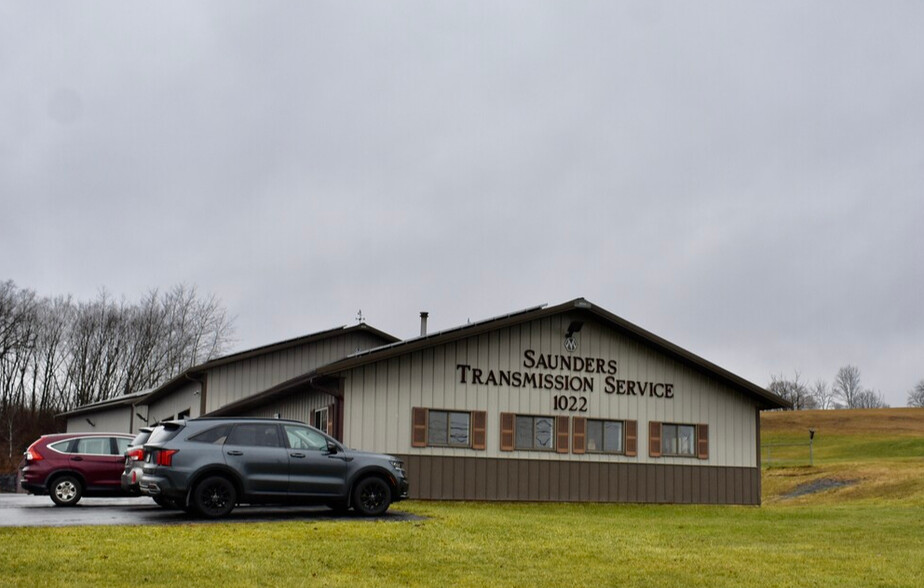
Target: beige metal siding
[(114, 420), (379, 396), (186, 398), (297, 407), (232, 382)]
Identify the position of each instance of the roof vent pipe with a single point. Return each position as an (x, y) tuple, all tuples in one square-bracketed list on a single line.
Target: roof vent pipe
[(423, 323)]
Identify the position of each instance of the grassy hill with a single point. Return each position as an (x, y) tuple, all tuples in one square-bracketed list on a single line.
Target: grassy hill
[(860, 455)]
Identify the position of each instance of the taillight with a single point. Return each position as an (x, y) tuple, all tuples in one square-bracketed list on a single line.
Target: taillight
[(164, 457), (32, 454), (135, 454)]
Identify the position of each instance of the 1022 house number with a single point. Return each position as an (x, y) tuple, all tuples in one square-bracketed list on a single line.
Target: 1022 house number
[(569, 403)]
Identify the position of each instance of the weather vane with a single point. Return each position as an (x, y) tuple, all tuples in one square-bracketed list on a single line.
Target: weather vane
[(359, 317)]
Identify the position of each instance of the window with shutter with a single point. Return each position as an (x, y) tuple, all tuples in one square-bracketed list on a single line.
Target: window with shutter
[(479, 429), (654, 439), (419, 427), (561, 427), (702, 441), (676, 440), (578, 434), (507, 420), (605, 436), (631, 438)]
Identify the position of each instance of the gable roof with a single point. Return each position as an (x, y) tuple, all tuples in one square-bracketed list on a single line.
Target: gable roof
[(764, 398), (118, 401), (193, 373)]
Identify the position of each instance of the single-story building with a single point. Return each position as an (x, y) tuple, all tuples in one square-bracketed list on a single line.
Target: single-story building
[(560, 403)]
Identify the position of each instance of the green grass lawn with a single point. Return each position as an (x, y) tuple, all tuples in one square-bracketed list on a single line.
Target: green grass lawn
[(867, 534), (494, 544)]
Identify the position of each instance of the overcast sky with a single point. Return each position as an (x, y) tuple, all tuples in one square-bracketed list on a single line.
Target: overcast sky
[(743, 179)]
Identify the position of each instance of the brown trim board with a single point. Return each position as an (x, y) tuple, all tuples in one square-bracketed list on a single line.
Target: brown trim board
[(474, 478)]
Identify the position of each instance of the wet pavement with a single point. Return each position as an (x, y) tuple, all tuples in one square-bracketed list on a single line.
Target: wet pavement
[(23, 510)]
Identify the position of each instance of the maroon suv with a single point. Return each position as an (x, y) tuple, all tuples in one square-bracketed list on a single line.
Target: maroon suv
[(71, 465)]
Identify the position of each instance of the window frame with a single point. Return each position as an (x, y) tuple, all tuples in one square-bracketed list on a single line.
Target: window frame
[(325, 411), (694, 448), (553, 438), (449, 443), (622, 440)]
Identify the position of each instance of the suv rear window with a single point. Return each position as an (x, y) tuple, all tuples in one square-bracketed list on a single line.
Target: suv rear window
[(164, 432), (141, 438)]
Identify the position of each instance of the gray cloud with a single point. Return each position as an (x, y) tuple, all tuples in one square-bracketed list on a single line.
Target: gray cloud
[(742, 180)]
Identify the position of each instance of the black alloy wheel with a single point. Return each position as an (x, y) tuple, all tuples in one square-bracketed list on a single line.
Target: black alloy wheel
[(371, 497), (214, 497), (66, 490)]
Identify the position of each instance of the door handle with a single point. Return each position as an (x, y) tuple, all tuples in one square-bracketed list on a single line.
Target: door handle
[(235, 452), (297, 455), (78, 458)]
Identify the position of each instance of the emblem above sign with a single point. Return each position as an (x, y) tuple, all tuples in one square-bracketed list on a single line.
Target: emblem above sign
[(570, 344)]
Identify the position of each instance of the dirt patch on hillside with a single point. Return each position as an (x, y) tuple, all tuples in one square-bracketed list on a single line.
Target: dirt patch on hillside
[(816, 486)]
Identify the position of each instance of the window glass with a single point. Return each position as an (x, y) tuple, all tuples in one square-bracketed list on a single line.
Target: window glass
[(534, 432), (438, 428), (122, 445), (545, 431), (458, 428), (94, 446), (61, 445), (254, 435), (141, 438), (164, 432), (449, 428), (678, 439), (305, 438), (216, 435), (612, 436), (594, 436), (320, 419), (524, 432)]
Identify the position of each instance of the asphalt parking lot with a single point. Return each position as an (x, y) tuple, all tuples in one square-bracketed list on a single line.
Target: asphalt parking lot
[(23, 510)]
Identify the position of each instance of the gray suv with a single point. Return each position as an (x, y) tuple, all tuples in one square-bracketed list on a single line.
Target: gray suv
[(208, 465)]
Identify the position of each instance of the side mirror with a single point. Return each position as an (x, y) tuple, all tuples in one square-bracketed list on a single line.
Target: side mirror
[(332, 448)]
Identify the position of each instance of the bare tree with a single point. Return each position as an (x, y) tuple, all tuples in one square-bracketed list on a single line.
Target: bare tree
[(916, 396), (846, 385), (793, 390), (869, 399), (823, 395)]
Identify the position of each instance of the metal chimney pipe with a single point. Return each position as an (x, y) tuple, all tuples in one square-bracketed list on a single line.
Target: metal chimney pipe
[(423, 323)]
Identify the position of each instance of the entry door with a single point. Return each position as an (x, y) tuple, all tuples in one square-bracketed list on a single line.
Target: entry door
[(256, 451), (313, 470)]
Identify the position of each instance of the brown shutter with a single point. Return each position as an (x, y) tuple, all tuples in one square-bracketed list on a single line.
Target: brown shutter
[(702, 441), (507, 421), (419, 427), (330, 420), (479, 426), (313, 419), (578, 434), (631, 438), (654, 439), (561, 431)]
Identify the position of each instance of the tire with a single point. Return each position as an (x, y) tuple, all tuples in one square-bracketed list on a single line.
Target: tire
[(371, 497), (214, 497), (66, 490)]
